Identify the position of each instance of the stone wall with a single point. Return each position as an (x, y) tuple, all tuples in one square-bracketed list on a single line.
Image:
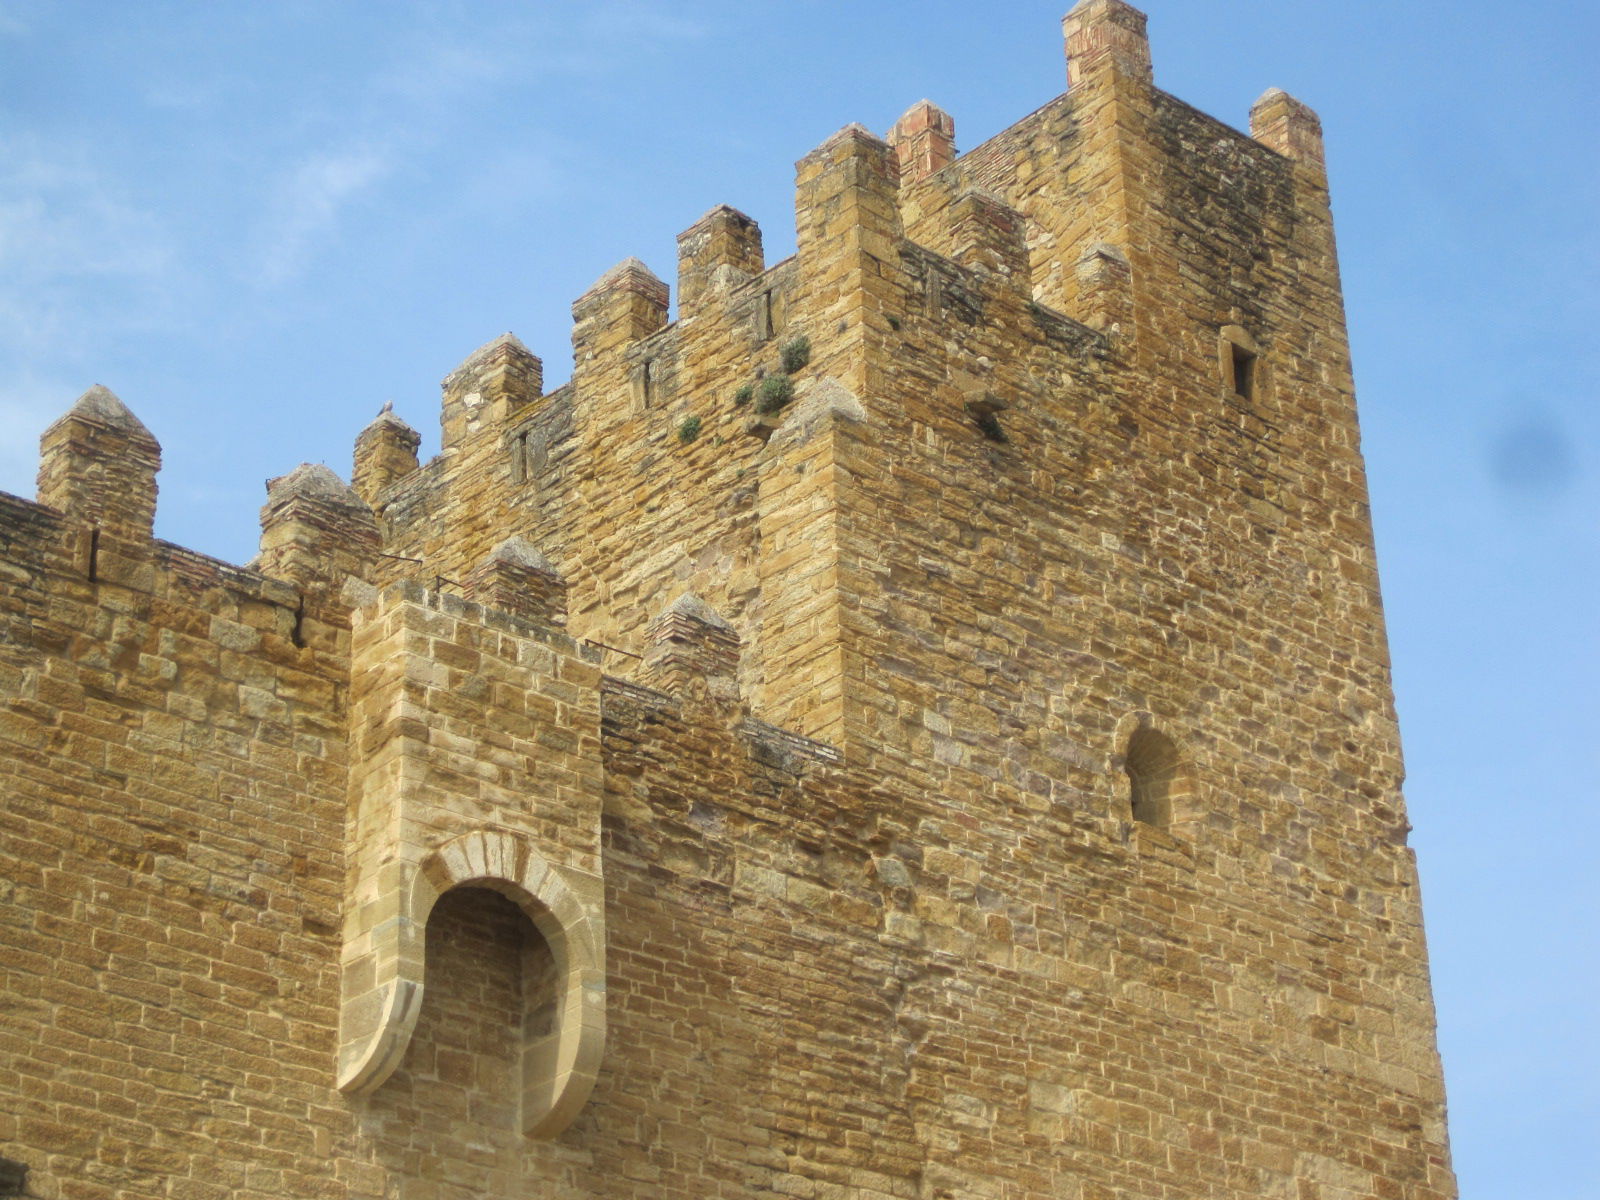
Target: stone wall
[(916, 725)]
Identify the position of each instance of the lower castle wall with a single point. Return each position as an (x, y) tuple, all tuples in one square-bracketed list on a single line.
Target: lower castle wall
[(172, 768), (821, 983)]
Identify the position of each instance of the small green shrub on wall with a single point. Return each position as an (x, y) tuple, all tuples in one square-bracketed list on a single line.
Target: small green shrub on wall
[(776, 391), (795, 354)]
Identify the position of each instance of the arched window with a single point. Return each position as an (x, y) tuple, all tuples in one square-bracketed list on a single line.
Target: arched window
[(1155, 777)]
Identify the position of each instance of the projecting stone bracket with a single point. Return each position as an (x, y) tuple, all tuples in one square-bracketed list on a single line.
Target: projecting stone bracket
[(475, 762), (567, 908)]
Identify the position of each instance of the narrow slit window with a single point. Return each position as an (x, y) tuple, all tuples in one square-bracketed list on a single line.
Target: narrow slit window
[(1244, 373), (519, 458), (766, 314), (647, 382)]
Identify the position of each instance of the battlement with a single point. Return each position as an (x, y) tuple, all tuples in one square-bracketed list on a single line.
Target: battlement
[(983, 273), (916, 724)]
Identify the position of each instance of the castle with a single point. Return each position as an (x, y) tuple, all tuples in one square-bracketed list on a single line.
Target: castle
[(915, 727)]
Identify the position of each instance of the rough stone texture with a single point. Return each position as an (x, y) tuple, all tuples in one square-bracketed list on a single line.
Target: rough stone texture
[(804, 860)]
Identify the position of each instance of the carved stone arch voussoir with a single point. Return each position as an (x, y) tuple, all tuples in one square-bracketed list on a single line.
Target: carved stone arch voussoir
[(384, 970)]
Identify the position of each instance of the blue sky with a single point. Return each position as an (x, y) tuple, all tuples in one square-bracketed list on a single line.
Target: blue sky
[(258, 222)]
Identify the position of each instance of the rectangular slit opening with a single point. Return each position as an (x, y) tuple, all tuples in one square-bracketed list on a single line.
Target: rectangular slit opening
[(1244, 373), (647, 382)]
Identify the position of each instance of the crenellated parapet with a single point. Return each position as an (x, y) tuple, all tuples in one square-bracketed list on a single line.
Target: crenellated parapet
[(98, 464), (488, 388), (975, 298), (924, 141), (716, 254), (385, 452), (316, 531)]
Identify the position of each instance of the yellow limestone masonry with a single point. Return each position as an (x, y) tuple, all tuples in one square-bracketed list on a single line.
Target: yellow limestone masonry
[(916, 726)]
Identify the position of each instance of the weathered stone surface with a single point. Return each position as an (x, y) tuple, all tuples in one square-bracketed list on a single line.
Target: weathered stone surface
[(984, 783), (98, 462)]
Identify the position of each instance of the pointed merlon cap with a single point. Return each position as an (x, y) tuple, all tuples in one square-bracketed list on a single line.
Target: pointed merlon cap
[(387, 419), (718, 217), (518, 551), (854, 140), (505, 350), (987, 233), (1105, 34), (629, 275), (695, 609), (720, 249), (855, 162), (100, 406), (98, 463), (386, 450), (1284, 124), (312, 481), (626, 304), (316, 532), (515, 578), (691, 650), (922, 115)]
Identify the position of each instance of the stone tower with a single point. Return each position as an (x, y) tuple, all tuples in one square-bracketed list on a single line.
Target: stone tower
[(915, 726)]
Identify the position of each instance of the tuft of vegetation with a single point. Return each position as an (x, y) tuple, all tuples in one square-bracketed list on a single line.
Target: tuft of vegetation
[(776, 391), (744, 395), (795, 354), (894, 321), (688, 430)]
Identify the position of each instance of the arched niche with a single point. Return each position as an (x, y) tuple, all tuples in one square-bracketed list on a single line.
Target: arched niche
[(1157, 775), (561, 1049)]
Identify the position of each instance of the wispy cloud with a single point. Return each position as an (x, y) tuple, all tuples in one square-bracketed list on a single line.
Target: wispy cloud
[(71, 241), (82, 261), (311, 199)]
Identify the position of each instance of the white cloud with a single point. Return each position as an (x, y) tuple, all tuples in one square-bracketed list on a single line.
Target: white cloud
[(310, 201), (73, 247)]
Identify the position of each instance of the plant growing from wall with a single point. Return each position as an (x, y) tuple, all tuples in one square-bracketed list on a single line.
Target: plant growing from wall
[(795, 354), (775, 392), (688, 429), (744, 395)]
